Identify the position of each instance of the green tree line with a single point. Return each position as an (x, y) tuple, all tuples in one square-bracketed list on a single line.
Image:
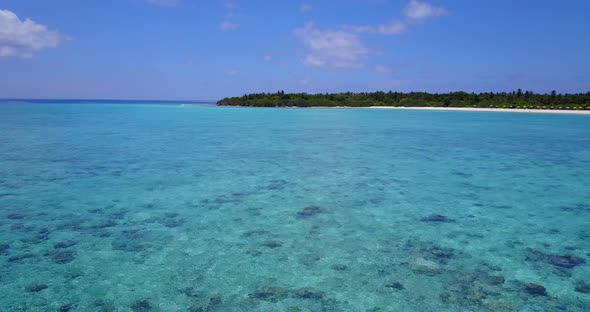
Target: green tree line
[(516, 99)]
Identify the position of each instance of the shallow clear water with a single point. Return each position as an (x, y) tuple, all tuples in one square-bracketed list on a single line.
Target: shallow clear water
[(168, 208)]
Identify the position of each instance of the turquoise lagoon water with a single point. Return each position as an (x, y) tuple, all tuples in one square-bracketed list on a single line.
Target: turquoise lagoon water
[(167, 208)]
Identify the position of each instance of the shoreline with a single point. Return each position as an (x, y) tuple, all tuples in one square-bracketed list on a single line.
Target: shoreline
[(499, 110), (465, 109)]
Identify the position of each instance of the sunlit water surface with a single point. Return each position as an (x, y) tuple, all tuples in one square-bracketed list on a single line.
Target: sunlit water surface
[(110, 207)]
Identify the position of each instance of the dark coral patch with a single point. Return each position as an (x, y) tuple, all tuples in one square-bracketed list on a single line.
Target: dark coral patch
[(43, 234), (4, 248), (560, 261), (277, 185), (66, 307), (395, 285), (535, 289), (65, 244), (269, 293), (272, 244), (566, 261), (309, 211), (15, 216), (438, 254), (36, 287), (307, 293), (583, 287), (64, 257), (143, 305), (339, 267), (255, 233), (171, 222), (21, 257), (436, 218)]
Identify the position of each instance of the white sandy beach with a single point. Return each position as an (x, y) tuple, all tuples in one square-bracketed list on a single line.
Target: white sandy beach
[(505, 110), (467, 109)]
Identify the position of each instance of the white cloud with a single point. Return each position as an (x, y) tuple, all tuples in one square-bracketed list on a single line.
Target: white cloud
[(343, 48), (416, 10), (383, 69), (305, 8), (24, 38), (329, 48), (268, 58), (227, 26), (232, 72), (393, 28)]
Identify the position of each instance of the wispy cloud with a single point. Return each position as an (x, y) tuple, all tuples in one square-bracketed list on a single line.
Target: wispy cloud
[(393, 28), (383, 69), (230, 5), (227, 26), (418, 11), (232, 72), (306, 8), (267, 58), (228, 23), (329, 48), (22, 38), (167, 3)]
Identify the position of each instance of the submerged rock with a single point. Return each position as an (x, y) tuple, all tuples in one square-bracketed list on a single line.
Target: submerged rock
[(36, 287), (583, 287), (66, 307), (4, 249), (339, 267), (15, 216), (65, 244), (18, 258), (43, 234), (255, 233), (560, 261), (438, 254), (269, 293), (171, 214), (272, 244), (277, 185), (143, 305), (309, 211), (535, 289), (566, 261), (307, 293), (436, 218), (395, 285), (64, 257)]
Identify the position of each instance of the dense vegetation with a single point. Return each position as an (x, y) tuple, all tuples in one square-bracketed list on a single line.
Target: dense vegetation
[(517, 99)]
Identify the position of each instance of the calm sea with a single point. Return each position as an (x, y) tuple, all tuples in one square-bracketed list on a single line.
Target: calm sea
[(113, 206)]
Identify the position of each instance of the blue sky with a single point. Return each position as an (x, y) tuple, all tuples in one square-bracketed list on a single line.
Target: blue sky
[(189, 49)]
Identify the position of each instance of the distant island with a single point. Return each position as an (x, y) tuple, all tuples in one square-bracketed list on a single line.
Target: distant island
[(502, 100)]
